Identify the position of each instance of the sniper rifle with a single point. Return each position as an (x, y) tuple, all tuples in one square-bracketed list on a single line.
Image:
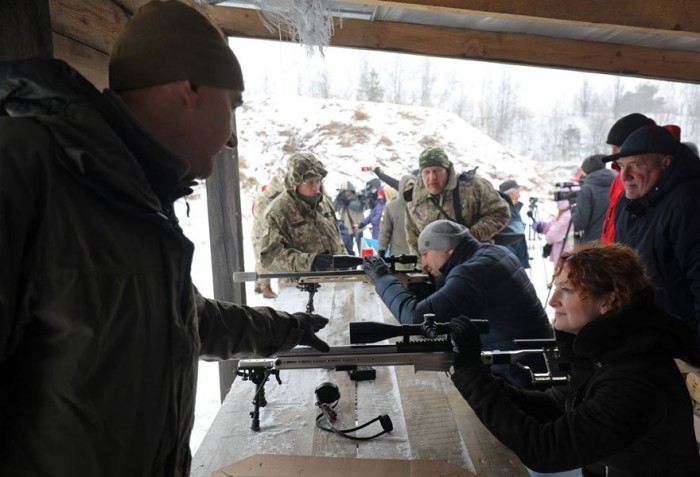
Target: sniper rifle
[(428, 354), (344, 271)]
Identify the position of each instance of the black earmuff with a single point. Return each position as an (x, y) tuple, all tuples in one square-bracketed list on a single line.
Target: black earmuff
[(327, 397)]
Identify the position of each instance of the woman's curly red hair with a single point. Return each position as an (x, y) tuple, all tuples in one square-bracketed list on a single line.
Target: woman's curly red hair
[(597, 268)]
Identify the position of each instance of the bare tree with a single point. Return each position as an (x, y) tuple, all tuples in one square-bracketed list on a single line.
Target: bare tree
[(396, 81), (584, 98), (427, 82)]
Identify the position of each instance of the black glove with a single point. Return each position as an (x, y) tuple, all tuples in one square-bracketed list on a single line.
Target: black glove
[(322, 262), (346, 261), (310, 323), (382, 253), (375, 267), (466, 342)]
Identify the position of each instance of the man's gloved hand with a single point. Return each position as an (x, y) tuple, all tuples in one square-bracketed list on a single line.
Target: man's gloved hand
[(310, 323), (322, 262), (466, 342), (375, 267)]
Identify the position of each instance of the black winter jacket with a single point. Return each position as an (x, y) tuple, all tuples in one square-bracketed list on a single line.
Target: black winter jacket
[(626, 405), (101, 327), (664, 227), (482, 281)]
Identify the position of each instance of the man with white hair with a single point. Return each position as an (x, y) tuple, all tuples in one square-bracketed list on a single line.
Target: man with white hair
[(658, 216)]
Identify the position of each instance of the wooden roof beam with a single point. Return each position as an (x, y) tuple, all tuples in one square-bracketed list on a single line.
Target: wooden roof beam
[(498, 47), (680, 17)]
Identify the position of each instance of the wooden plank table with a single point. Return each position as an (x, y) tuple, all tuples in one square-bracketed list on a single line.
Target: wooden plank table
[(430, 418)]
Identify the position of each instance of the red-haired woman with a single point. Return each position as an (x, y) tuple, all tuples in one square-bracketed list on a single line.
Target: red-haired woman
[(626, 406)]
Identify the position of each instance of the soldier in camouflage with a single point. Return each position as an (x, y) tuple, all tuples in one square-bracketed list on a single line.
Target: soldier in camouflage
[(260, 203), (478, 206), (302, 230)]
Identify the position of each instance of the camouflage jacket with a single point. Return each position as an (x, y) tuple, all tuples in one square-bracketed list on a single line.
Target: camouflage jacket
[(297, 230), (260, 203), (483, 210)]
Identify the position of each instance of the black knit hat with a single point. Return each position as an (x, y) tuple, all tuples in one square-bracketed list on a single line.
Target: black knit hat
[(508, 185), (626, 126), (647, 140)]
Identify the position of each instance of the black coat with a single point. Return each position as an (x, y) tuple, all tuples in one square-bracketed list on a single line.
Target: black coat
[(626, 405), (664, 227), (482, 281)]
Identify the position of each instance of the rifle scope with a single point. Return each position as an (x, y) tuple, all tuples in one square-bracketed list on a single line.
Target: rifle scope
[(372, 331)]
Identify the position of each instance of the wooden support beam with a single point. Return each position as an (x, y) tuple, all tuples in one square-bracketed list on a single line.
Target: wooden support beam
[(650, 16), (498, 47)]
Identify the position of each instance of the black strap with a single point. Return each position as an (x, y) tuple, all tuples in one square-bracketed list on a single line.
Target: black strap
[(436, 202)]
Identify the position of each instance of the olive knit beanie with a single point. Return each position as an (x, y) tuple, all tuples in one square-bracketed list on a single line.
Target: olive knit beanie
[(433, 156), (169, 41)]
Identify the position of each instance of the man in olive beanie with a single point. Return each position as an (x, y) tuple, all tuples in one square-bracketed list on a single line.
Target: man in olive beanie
[(442, 193), (102, 327), (480, 280)]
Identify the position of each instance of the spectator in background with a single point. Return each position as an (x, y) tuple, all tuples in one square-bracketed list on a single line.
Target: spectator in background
[(375, 215), (260, 203), (388, 180), (617, 135), (510, 191), (392, 228), (558, 232), (466, 198), (481, 280), (592, 200), (302, 231), (350, 208), (658, 216)]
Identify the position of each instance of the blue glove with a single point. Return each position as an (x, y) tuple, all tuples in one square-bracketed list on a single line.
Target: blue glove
[(538, 226), (310, 323), (375, 267), (466, 342)]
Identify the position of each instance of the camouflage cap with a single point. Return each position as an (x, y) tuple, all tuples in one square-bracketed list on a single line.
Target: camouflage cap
[(301, 166), (433, 156)]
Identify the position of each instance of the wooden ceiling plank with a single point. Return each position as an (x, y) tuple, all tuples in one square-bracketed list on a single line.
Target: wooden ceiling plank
[(94, 23), (497, 47), (679, 17)]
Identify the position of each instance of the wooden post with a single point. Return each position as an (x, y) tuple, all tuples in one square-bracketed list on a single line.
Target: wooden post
[(226, 241), (25, 29)]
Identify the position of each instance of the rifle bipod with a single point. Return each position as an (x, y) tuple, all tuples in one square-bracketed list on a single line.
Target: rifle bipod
[(312, 288), (258, 377)]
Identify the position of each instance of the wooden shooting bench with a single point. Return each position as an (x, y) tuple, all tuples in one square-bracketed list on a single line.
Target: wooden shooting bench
[(431, 420)]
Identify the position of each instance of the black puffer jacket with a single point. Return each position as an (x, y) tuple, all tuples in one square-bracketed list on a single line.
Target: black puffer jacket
[(484, 282), (664, 227), (626, 406)]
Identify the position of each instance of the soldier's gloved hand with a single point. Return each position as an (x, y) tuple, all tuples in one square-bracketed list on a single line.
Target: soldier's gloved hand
[(310, 323), (375, 267), (322, 262), (466, 342)]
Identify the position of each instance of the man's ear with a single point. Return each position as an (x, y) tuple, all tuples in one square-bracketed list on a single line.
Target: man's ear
[(188, 93), (608, 302), (666, 161)]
